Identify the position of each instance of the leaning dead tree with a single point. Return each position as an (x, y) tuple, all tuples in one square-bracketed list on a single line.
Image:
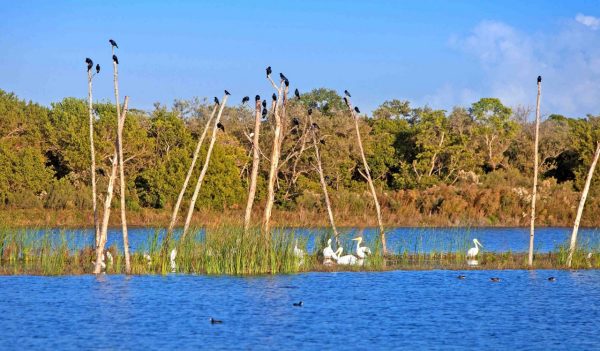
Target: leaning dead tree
[(535, 170), (187, 179), (108, 199), (275, 154), (584, 194), (255, 164), (90, 65), (367, 174), (120, 123), (213, 138), (313, 129)]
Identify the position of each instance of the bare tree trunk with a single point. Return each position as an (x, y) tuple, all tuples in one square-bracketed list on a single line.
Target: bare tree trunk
[(535, 173), (108, 199), (187, 179), (584, 194), (120, 124), (323, 184), (368, 176), (274, 160), (93, 157), (204, 169), (255, 164)]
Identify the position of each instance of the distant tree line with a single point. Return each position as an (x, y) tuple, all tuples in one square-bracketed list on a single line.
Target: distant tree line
[(476, 158)]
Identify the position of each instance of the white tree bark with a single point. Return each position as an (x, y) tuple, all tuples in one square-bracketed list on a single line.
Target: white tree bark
[(204, 169), (323, 184), (584, 194), (368, 177), (274, 160), (187, 177), (93, 157), (535, 174), (255, 164), (108, 199)]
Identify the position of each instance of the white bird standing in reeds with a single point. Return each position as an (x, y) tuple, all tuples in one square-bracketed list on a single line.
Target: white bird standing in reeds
[(346, 260), (329, 254), (172, 260), (472, 253), (361, 251), (299, 253)]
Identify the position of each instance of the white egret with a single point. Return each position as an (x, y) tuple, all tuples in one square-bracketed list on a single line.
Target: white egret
[(299, 253), (347, 259), (148, 258), (329, 254), (172, 257), (361, 251), (472, 253)]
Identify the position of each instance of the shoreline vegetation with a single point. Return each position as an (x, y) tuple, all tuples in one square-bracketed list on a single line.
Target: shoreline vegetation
[(233, 251)]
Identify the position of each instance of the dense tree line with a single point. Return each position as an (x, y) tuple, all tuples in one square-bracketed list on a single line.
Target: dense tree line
[(423, 160)]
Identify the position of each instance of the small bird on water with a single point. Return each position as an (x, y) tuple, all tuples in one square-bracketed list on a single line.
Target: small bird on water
[(113, 43), (495, 279), (298, 304), (116, 59), (89, 62), (215, 321), (551, 279), (461, 277), (97, 68)]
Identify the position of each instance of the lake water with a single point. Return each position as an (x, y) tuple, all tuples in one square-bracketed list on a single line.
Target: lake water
[(398, 239), (355, 311)]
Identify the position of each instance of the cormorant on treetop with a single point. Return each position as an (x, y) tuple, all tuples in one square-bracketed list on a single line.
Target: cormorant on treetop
[(539, 79), (97, 68), (282, 76), (274, 97), (116, 59), (113, 43), (264, 103), (89, 62), (269, 71), (217, 101), (287, 83), (227, 93), (257, 98), (356, 109), (297, 93), (347, 93), (245, 99)]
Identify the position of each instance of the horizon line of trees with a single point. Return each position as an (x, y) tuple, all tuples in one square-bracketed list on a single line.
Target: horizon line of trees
[(45, 163)]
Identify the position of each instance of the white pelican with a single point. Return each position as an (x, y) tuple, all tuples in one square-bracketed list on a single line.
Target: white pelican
[(347, 259), (173, 264), (361, 251), (299, 253), (472, 253), (329, 254)]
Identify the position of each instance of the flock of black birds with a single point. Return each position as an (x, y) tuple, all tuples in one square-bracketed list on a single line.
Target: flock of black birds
[(497, 279), (245, 99)]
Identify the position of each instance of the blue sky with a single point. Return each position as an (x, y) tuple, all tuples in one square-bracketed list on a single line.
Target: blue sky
[(432, 53)]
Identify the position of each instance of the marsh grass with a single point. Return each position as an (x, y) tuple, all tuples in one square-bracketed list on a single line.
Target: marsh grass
[(228, 250)]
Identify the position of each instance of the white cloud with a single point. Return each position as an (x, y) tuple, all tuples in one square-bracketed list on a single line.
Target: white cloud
[(568, 60), (589, 21)]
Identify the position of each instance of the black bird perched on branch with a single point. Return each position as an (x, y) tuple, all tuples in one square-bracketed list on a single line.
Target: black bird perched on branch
[(89, 62), (217, 101), (113, 43), (310, 111), (215, 321), (347, 93), (227, 93), (264, 103), (269, 71), (97, 68), (539, 79), (296, 121), (274, 97), (297, 93), (282, 76), (116, 59), (257, 98), (221, 126), (298, 304), (246, 99), (356, 109), (264, 114), (346, 101), (287, 83)]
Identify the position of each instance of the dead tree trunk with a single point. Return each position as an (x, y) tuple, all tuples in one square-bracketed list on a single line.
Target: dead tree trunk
[(93, 157), (120, 124), (584, 194), (274, 159), (255, 164), (204, 169), (367, 175), (108, 199), (187, 179), (535, 172), (323, 184)]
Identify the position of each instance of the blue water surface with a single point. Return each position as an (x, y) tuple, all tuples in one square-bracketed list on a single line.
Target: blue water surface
[(396, 310)]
